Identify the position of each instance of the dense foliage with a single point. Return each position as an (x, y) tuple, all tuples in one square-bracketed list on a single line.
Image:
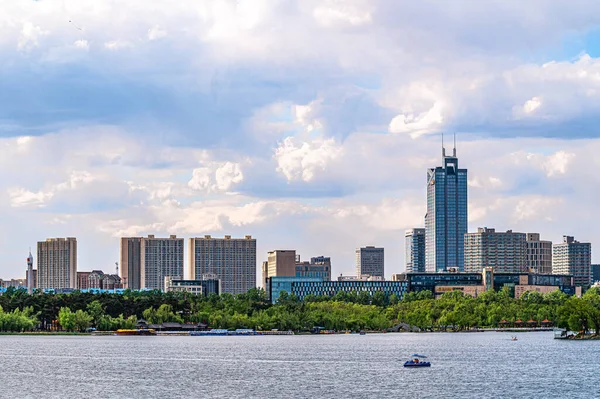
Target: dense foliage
[(355, 311)]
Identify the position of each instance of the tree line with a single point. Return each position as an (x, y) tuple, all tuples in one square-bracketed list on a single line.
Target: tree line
[(453, 311)]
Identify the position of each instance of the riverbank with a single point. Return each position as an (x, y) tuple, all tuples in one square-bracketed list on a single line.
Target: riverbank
[(42, 333)]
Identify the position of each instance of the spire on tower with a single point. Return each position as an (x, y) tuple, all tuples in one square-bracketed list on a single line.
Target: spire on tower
[(454, 149), (443, 149)]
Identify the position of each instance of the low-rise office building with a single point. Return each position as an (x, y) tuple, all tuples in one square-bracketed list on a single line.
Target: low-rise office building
[(475, 283), (302, 287), (207, 285)]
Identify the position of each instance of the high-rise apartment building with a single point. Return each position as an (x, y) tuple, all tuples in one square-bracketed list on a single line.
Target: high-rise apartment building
[(574, 258), (233, 260), (539, 254), (446, 217), (504, 252), (369, 261), (57, 263), (414, 247), (131, 258), (146, 261), (159, 258)]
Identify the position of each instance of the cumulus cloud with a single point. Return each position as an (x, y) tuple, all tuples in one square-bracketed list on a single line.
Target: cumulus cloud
[(216, 176), (303, 160)]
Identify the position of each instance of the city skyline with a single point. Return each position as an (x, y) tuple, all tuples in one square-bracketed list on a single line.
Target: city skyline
[(318, 144)]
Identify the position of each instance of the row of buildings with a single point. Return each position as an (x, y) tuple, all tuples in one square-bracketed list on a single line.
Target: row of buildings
[(442, 251), (510, 252), (148, 263)]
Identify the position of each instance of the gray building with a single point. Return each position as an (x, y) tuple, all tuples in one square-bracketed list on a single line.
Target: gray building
[(446, 217), (232, 260), (595, 273), (414, 247), (146, 261), (369, 261), (57, 263), (504, 252), (539, 254), (574, 258)]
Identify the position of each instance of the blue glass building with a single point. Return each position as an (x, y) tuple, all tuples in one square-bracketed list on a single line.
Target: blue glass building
[(414, 250), (446, 217)]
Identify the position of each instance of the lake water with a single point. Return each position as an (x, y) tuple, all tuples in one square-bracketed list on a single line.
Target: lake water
[(472, 365)]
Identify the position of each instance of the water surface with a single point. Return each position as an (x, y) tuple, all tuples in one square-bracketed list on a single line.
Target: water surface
[(471, 365)]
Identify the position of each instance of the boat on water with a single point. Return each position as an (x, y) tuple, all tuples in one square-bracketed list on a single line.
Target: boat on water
[(514, 339), (362, 332), (136, 331), (417, 362)]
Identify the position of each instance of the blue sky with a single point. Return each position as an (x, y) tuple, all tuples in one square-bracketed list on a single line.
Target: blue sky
[(307, 124)]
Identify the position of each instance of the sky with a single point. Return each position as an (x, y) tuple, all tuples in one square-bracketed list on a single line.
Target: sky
[(309, 125)]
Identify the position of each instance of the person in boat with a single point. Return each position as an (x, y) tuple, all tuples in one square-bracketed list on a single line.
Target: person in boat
[(416, 360)]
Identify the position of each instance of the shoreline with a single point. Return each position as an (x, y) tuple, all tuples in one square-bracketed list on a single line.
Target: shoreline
[(268, 333)]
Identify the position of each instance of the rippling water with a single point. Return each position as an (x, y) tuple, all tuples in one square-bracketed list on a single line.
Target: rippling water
[(473, 365)]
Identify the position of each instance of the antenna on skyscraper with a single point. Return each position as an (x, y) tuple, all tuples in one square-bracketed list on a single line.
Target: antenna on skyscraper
[(443, 149), (454, 149)]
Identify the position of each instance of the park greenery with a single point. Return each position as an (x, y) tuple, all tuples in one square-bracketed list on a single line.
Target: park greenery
[(453, 311)]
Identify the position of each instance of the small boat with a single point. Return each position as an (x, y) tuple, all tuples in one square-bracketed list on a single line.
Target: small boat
[(416, 362), (362, 332), (514, 339)]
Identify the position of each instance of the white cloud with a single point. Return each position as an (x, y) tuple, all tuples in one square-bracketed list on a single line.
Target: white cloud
[(156, 33), (333, 12), (303, 160), (30, 35), (118, 45), (426, 122), (216, 176), (531, 105), (82, 44)]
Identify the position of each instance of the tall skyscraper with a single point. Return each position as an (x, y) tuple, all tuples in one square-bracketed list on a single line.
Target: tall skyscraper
[(539, 254), (574, 258), (502, 251), (146, 261), (369, 261), (446, 217), (131, 266), (57, 263), (414, 250), (233, 260)]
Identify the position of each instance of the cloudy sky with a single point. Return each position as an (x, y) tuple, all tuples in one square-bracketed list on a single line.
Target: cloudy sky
[(307, 124)]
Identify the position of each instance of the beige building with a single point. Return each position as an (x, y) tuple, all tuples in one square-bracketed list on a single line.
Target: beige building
[(539, 254), (502, 251), (233, 260), (131, 266), (146, 261), (280, 263), (285, 263), (57, 263)]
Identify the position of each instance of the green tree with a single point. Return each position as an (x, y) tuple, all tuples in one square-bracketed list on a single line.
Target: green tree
[(66, 318)]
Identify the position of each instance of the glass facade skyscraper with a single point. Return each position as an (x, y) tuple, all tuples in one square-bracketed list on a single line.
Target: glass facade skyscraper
[(446, 218), (414, 249)]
